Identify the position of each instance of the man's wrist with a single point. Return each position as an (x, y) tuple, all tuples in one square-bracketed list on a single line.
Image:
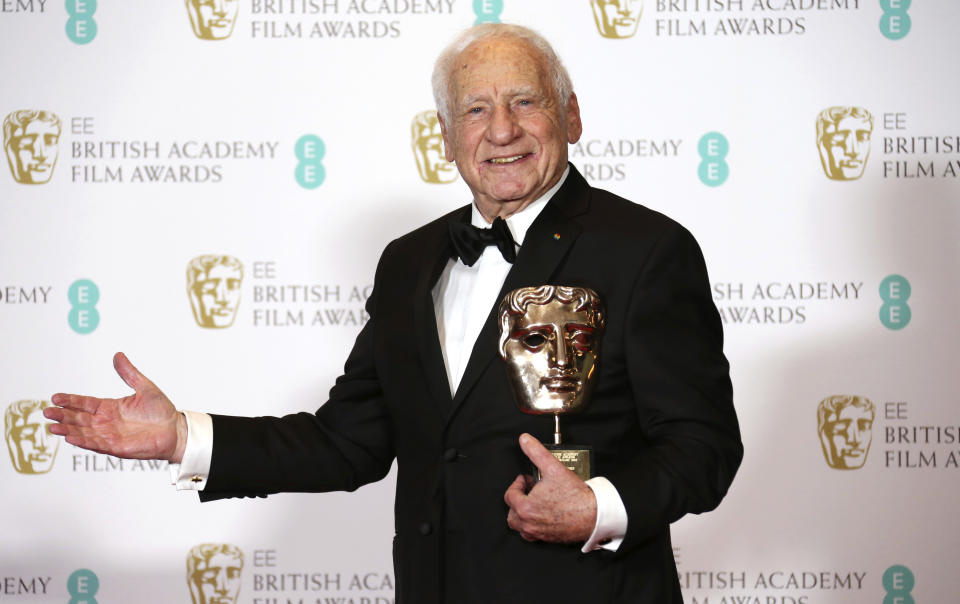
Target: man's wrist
[(181, 430)]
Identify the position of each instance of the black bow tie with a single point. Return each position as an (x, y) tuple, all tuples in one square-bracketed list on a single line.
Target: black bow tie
[(470, 241)]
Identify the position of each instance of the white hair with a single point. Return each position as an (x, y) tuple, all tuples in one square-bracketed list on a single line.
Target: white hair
[(559, 78)]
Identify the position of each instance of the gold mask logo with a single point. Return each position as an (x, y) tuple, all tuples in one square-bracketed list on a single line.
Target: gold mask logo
[(427, 142), (213, 19), (31, 143), (213, 287), (843, 140), (617, 19), (845, 426), (32, 448), (213, 573)]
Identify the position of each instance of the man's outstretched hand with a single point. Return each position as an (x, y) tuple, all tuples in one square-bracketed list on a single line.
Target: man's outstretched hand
[(560, 508), (144, 425)]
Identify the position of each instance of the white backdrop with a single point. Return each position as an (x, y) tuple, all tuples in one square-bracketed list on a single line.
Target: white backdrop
[(138, 94)]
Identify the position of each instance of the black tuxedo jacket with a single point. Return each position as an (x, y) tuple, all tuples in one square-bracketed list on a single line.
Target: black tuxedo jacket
[(661, 421)]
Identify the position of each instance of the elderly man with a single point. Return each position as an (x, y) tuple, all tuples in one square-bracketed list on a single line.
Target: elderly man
[(423, 384)]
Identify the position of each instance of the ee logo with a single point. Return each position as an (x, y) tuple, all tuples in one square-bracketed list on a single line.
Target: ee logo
[(83, 586), (487, 11), (894, 291), (898, 582), (895, 22), (83, 296), (81, 28), (309, 151), (713, 148)]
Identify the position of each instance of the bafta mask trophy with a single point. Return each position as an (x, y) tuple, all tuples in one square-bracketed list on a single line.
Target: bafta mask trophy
[(550, 340)]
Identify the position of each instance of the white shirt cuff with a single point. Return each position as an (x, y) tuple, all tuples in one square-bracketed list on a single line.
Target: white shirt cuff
[(192, 471), (611, 525)]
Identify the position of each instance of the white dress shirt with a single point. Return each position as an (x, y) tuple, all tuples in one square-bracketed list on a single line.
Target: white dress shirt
[(462, 299)]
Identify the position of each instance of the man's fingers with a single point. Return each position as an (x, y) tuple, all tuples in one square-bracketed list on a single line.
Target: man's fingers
[(129, 373), (515, 492), (68, 416), (539, 455), (88, 404)]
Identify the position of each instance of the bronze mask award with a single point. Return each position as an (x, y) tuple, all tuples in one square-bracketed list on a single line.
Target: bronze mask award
[(550, 340)]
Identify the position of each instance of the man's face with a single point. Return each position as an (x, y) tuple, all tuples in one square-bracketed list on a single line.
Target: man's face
[(32, 447), (428, 149), (32, 151), (617, 18), (213, 19), (507, 132), (551, 353), (216, 296), (847, 435), (845, 147), (218, 580)]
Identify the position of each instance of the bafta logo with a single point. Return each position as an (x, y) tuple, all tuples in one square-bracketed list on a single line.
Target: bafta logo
[(213, 286), (427, 143), (843, 139), (213, 573), (30, 141), (32, 448), (213, 19), (617, 18), (845, 425)]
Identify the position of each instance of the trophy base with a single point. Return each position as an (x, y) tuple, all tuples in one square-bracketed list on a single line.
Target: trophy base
[(575, 457)]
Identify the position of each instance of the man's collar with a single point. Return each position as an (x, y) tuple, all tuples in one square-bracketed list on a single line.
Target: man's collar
[(520, 222)]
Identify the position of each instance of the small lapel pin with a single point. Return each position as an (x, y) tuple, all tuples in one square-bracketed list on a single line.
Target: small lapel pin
[(556, 236)]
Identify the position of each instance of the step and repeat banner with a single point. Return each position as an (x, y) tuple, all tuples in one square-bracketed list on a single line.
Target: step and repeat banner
[(207, 185)]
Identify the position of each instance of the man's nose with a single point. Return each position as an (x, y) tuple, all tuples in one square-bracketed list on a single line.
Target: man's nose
[(503, 126)]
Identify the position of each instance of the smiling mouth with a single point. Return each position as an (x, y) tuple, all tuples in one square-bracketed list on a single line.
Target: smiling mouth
[(507, 160)]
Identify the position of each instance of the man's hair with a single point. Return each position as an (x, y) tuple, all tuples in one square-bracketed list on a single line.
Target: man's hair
[(198, 267), (833, 405), (515, 303), (20, 410), (20, 119), (442, 69), (205, 551), (832, 115)]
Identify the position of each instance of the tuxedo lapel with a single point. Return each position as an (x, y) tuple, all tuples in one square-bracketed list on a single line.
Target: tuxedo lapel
[(546, 243), (438, 251)]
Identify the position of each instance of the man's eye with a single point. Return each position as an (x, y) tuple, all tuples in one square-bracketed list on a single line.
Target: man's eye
[(475, 110)]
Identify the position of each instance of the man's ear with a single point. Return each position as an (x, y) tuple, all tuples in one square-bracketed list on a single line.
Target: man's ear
[(574, 125), (447, 145)]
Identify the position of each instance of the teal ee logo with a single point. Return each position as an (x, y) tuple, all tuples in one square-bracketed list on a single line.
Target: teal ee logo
[(895, 22), (310, 150), (713, 169), (81, 28), (82, 586), (898, 582), (894, 291), (487, 11), (83, 295)]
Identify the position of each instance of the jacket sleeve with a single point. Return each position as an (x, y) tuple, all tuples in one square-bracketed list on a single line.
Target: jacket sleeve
[(690, 445), (346, 443)]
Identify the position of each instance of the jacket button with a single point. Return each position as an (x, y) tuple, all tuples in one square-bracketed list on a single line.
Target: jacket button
[(425, 528), (450, 455)]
